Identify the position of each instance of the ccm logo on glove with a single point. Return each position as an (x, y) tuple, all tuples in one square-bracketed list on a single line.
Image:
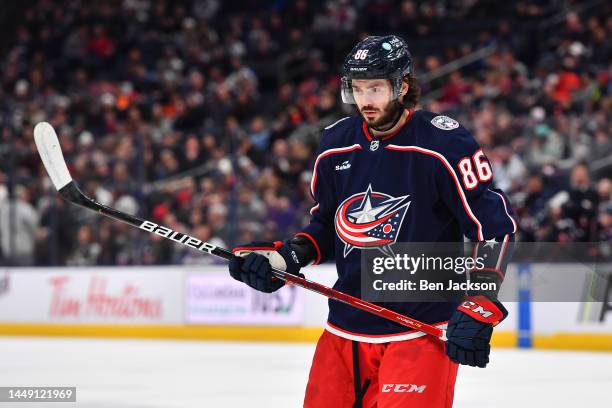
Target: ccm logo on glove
[(482, 309)]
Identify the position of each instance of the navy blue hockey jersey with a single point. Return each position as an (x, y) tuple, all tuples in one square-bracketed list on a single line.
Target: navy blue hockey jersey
[(440, 182)]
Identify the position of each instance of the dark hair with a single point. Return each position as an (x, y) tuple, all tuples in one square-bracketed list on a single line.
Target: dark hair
[(411, 99)]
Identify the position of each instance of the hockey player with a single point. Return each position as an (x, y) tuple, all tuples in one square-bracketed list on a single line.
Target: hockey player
[(391, 152)]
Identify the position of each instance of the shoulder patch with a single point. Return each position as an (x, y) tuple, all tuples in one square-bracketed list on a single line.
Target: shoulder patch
[(444, 123)]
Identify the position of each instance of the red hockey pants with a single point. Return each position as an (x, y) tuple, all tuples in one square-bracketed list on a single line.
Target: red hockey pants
[(413, 373)]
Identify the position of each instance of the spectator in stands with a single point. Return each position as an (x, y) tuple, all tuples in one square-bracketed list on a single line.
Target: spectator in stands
[(207, 116), (582, 204), (86, 250), (18, 228)]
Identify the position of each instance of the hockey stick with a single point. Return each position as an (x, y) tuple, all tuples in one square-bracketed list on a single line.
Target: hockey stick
[(50, 152)]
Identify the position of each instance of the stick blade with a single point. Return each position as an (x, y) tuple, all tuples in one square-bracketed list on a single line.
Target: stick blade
[(51, 154)]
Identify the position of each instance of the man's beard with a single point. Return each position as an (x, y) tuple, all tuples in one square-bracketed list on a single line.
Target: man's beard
[(390, 115)]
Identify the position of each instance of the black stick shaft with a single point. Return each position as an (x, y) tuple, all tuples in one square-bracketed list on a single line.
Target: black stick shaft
[(72, 193)]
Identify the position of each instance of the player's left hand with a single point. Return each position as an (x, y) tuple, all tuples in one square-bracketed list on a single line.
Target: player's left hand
[(470, 328), (252, 264)]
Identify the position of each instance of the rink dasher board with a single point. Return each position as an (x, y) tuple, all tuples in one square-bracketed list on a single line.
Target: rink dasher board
[(142, 296), (97, 295), (154, 301)]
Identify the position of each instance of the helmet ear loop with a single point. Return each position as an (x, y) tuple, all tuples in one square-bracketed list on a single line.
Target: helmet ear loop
[(397, 90), (397, 93), (397, 87), (396, 83)]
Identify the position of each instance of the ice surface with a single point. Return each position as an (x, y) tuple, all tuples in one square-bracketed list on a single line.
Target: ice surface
[(186, 374)]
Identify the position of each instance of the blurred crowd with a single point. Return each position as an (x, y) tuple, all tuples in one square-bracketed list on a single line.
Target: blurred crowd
[(205, 115)]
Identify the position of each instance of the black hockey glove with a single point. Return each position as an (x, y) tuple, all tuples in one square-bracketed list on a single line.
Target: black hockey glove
[(470, 329), (252, 263)]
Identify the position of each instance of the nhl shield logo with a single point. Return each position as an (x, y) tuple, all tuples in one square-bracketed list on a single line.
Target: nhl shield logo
[(370, 220), (374, 145)]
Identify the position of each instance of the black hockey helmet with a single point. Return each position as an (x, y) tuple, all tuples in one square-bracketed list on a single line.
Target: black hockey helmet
[(376, 57)]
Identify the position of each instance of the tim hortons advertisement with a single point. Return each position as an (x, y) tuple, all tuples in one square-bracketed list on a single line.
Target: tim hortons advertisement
[(93, 295), (215, 298)]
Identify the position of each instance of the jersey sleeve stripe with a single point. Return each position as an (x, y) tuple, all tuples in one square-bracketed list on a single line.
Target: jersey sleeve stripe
[(440, 157), (328, 152), (502, 253), (506, 209), (305, 234), (336, 122)]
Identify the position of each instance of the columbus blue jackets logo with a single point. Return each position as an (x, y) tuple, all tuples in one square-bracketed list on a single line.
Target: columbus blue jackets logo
[(444, 122), (370, 220)]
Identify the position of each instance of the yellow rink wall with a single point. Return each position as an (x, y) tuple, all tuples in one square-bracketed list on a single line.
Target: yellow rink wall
[(501, 339)]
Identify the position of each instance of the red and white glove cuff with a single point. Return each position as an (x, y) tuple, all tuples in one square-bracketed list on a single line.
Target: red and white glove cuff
[(482, 309), (263, 246), (266, 248)]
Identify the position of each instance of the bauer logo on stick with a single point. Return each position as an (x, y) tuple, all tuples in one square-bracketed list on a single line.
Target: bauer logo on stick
[(177, 236)]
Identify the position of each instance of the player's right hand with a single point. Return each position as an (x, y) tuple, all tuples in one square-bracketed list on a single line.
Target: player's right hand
[(252, 264)]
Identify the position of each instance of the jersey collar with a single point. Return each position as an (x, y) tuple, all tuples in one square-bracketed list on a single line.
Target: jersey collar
[(368, 136)]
